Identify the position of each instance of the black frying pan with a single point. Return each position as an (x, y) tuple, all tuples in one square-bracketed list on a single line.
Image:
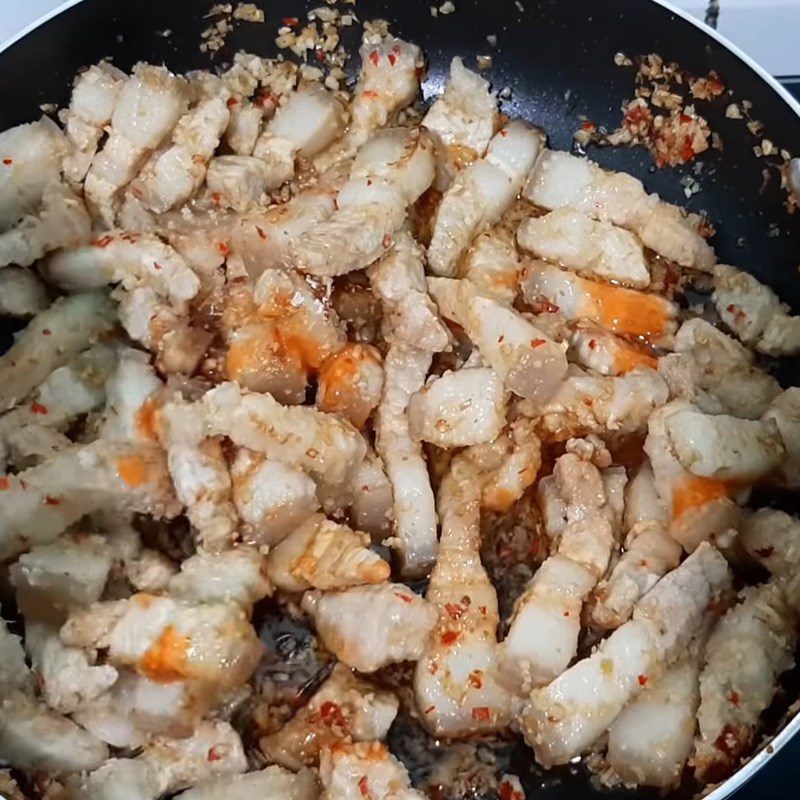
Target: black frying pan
[(556, 56)]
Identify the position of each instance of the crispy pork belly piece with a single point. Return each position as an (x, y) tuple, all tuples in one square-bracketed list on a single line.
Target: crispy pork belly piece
[(492, 264), (51, 340), (748, 650), (414, 525), (772, 538), (651, 740), (22, 294), (364, 769), (14, 672), (368, 627), (563, 719), (481, 193), (387, 82), (785, 411), (459, 408), (596, 348), (456, 685), (322, 554), (755, 313), (561, 180), (530, 363), (716, 373), (576, 241), (271, 782), (345, 708), (149, 105), (648, 317), (350, 383)]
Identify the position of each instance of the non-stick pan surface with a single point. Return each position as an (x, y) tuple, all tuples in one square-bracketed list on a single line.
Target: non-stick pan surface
[(556, 57)]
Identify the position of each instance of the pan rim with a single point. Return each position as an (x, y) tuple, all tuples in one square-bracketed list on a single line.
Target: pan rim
[(792, 728)]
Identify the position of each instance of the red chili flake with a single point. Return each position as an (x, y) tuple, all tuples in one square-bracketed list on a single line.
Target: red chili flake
[(290, 21), (482, 609), (643, 562), (103, 241), (434, 667), (8, 161), (733, 697), (481, 714), (52, 501), (223, 248), (732, 741), (331, 714), (549, 307), (508, 792), (685, 118), (213, 754), (370, 93), (476, 679), (642, 680), (501, 339), (232, 101), (765, 552), (450, 637), (373, 57), (588, 402), (588, 126), (363, 785), (320, 56), (47, 332), (392, 59), (261, 234), (592, 344), (715, 86), (404, 597), (157, 267), (465, 600), (38, 408), (396, 49), (538, 342), (387, 240), (217, 198), (429, 709), (636, 114), (687, 154), (369, 181), (454, 611), (504, 133), (565, 614), (5, 484)]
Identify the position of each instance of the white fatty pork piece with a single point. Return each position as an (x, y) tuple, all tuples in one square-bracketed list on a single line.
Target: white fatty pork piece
[(492, 264), (595, 348), (52, 578), (481, 194), (237, 182), (172, 176), (651, 740), (91, 107), (304, 125), (350, 383), (67, 676), (388, 81), (562, 180), (456, 685), (60, 221), (325, 447), (785, 411), (165, 639), (345, 708), (167, 765), (747, 651), (585, 403), (755, 313), (772, 538), (389, 173), (463, 120), (648, 317), (409, 315), (716, 373), (322, 554), (368, 627), (543, 636), (43, 501), (262, 238), (530, 363), (458, 409), (414, 526), (22, 294), (698, 509), (563, 719), (576, 241), (272, 782), (372, 509), (364, 769), (149, 105), (130, 259), (650, 552), (31, 161), (271, 497), (234, 575)]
